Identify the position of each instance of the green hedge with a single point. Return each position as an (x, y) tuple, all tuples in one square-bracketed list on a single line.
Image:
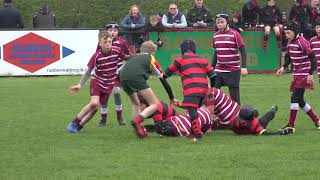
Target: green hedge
[(96, 13)]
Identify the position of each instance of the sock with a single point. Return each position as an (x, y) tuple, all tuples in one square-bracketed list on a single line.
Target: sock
[(119, 111), (104, 113), (308, 110), (265, 41), (139, 119), (293, 114), (196, 127), (77, 121)]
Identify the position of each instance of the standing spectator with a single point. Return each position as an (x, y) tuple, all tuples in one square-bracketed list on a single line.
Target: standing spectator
[(303, 60), (199, 16), (174, 19), (300, 13), (236, 23), (133, 24), (250, 13), (269, 17), (44, 18), (10, 17), (226, 60)]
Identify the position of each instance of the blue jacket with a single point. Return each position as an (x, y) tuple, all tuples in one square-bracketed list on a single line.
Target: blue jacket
[(127, 20)]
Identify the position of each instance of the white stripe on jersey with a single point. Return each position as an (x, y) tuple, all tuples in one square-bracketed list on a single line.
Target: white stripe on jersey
[(301, 63), (300, 74), (224, 42), (229, 55), (296, 52), (226, 49), (108, 63), (108, 57), (294, 45), (182, 124), (315, 42), (107, 69), (315, 49), (228, 62), (223, 35), (301, 57), (174, 123)]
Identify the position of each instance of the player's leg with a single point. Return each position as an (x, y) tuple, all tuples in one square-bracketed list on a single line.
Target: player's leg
[(93, 105), (233, 82), (308, 110), (137, 120), (218, 81), (265, 119), (151, 99), (297, 94), (266, 37), (118, 103), (277, 32), (104, 113)]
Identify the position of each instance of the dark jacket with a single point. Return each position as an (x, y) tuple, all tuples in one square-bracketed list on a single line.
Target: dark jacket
[(10, 17), (270, 15), (138, 21), (199, 14), (300, 14), (44, 18), (250, 15)]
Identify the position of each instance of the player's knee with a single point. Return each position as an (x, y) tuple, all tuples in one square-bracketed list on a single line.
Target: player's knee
[(94, 104)]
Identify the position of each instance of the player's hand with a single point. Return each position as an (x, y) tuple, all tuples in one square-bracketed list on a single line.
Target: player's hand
[(177, 103), (280, 71), (310, 79), (244, 72), (133, 26), (74, 89)]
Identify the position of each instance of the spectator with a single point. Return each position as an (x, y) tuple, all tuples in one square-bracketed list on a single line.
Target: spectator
[(199, 16), (236, 23), (44, 18), (133, 26), (174, 19), (269, 17), (250, 13), (300, 13), (314, 3), (10, 17), (154, 23)]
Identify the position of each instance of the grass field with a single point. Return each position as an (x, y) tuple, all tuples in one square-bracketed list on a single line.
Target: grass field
[(35, 144)]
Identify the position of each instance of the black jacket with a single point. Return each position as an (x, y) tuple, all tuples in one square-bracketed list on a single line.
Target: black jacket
[(10, 18)]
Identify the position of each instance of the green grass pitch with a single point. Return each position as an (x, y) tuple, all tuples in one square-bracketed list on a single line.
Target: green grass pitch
[(34, 143)]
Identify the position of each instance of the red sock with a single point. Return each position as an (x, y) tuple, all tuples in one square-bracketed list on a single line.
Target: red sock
[(292, 119), (104, 116), (265, 41), (77, 121), (139, 119), (196, 128), (119, 114), (313, 116)]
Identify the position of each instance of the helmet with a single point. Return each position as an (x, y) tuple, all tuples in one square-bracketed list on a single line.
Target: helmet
[(112, 24), (188, 45), (248, 113), (223, 15), (293, 26), (164, 128)]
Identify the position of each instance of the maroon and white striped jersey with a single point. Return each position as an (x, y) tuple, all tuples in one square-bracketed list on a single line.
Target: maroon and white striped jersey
[(122, 44), (298, 50), (224, 106), (105, 66), (315, 46), (226, 45), (181, 124)]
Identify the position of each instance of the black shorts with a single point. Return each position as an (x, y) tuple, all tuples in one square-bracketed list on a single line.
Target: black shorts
[(230, 79), (193, 101)]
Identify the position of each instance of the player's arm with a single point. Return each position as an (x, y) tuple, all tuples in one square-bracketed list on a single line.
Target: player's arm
[(243, 53), (84, 78), (313, 60), (287, 61), (211, 74), (159, 73), (286, 131), (171, 69)]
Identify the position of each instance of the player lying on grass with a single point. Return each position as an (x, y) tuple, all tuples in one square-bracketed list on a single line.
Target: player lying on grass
[(104, 62), (241, 120)]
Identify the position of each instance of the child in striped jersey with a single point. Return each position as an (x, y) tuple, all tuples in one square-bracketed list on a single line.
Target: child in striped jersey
[(315, 46), (193, 71), (113, 29), (303, 60), (241, 120), (104, 62)]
